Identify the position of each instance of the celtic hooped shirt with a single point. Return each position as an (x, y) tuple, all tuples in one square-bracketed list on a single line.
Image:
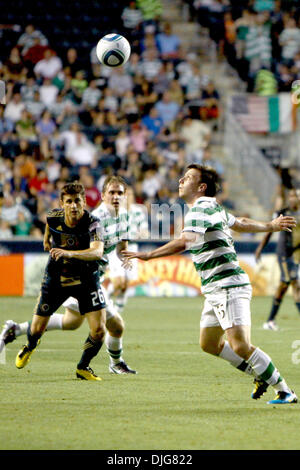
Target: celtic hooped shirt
[(213, 253)]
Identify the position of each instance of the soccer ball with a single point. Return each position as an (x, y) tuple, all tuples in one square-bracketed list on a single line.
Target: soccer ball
[(113, 50)]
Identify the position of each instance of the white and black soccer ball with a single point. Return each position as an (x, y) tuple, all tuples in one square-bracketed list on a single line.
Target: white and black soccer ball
[(113, 50)]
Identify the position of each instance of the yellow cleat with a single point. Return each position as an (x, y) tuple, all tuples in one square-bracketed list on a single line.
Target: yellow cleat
[(23, 357), (86, 374)]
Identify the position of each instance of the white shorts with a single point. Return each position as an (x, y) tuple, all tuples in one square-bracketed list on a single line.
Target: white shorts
[(111, 310), (227, 307), (116, 269)]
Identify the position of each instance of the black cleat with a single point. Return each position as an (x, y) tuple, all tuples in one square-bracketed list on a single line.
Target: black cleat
[(260, 388)]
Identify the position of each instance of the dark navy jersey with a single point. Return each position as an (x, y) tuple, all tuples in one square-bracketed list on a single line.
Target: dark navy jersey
[(289, 242), (70, 272)]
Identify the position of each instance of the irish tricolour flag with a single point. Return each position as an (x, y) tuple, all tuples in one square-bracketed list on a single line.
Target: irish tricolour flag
[(264, 113)]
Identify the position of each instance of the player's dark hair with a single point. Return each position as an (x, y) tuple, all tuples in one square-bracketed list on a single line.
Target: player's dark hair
[(114, 179), (72, 188), (209, 176)]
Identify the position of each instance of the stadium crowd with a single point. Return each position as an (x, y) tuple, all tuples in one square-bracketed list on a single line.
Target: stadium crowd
[(67, 118), (259, 38)]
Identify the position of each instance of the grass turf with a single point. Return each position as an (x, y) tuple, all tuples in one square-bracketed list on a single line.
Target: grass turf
[(181, 398)]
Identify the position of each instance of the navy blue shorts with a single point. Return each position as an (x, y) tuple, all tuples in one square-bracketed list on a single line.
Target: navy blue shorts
[(89, 295)]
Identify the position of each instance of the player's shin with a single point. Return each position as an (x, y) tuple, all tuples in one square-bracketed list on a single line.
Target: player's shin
[(236, 361), (114, 348), (265, 369), (91, 348)]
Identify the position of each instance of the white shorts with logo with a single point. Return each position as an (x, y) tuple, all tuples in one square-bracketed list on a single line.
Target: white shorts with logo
[(227, 307), (117, 270), (111, 310)]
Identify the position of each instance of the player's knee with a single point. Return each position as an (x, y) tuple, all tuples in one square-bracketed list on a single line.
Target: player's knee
[(98, 332), (115, 326)]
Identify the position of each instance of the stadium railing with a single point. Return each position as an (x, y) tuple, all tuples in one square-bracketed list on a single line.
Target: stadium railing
[(250, 162)]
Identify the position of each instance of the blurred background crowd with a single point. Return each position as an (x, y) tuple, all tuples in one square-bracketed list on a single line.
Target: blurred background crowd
[(69, 118)]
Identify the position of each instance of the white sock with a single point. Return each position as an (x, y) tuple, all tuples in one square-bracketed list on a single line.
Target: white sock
[(55, 322), (265, 369), (114, 348), (236, 361), (22, 328)]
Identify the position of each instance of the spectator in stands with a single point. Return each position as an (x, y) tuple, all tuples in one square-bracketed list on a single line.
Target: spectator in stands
[(146, 97), (92, 193), (78, 85), (168, 43), (5, 230), (210, 108), (150, 64), (195, 135), (45, 126), (285, 77), (175, 92), (28, 89), (6, 126), (11, 209), (128, 106), (35, 106), (153, 122), (110, 101), (27, 39), (132, 18), (35, 53), (48, 92), (13, 109), (49, 66), (23, 225), (138, 136), (122, 142), (167, 110), (119, 82), (265, 83), (72, 61), (289, 39), (14, 67), (25, 127), (91, 94)]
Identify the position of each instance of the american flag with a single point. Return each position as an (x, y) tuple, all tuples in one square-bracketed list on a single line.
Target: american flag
[(252, 112)]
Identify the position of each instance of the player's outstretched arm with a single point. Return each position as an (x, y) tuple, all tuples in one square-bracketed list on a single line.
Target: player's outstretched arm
[(93, 253), (243, 224), (175, 246)]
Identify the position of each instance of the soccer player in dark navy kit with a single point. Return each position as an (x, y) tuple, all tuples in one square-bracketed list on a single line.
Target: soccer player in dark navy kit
[(73, 238), (288, 254)]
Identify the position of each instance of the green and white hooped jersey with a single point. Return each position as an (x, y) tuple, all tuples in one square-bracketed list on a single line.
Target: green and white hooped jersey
[(114, 229), (213, 253)]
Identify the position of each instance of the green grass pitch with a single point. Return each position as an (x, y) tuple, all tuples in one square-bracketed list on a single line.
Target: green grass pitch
[(181, 399)]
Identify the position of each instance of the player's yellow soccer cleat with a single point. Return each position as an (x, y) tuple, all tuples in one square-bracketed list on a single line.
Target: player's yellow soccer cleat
[(86, 374), (23, 356), (260, 387)]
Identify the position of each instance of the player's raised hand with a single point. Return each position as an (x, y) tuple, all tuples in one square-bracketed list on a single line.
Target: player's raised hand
[(132, 254), (286, 223)]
